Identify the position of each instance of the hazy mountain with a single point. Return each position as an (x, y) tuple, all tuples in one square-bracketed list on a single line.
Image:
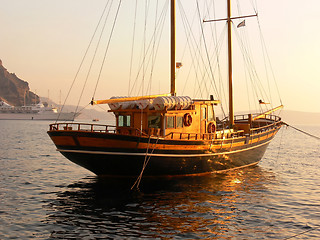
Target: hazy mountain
[(87, 113), (300, 118)]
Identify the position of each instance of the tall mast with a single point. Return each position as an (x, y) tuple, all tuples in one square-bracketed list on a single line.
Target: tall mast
[(173, 47), (229, 21)]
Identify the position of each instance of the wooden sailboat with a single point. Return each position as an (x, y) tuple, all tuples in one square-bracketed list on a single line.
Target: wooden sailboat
[(173, 136)]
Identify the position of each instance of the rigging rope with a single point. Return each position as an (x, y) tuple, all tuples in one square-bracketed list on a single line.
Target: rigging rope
[(145, 61), (256, 83), (82, 61), (217, 50), (93, 57), (145, 163), (280, 144), (207, 52), (107, 47), (198, 61), (132, 45), (299, 130), (148, 89), (75, 113), (189, 42), (299, 234), (268, 58)]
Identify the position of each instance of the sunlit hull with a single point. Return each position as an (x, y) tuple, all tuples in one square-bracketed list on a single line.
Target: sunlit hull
[(124, 155)]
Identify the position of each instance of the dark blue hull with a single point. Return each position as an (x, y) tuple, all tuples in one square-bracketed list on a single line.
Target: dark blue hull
[(96, 152), (132, 165)]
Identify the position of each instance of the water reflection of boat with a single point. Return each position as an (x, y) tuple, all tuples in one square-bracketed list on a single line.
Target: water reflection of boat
[(207, 206), (178, 134)]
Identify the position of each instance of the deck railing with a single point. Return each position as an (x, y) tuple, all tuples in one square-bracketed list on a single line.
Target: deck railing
[(246, 117), (95, 128), (83, 127), (219, 134), (206, 136)]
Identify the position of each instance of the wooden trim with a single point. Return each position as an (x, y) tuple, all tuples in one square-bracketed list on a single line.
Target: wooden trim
[(262, 115), (163, 155)]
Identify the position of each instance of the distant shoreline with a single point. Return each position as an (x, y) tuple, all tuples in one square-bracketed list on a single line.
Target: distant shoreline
[(300, 118)]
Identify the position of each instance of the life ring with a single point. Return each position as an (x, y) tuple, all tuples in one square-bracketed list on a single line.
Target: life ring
[(211, 128), (187, 119)]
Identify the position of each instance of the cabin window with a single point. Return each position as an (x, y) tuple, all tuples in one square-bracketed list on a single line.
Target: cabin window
[(179, 121), (170, 122), (154, 121), (124, 121), (210, 113), (203, 113)]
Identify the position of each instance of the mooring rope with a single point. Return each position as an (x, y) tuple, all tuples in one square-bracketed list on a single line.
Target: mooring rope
[(299, 234), (145, 163), (310, 135), (280, 145)]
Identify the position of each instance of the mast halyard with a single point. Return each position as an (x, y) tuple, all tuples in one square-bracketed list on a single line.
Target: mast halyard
[(173, 47), (229, 21)]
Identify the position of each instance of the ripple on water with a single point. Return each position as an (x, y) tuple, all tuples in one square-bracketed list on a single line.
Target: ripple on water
[(44, 196)]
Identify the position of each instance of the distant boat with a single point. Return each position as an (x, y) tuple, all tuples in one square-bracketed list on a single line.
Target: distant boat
[(161, 135), (34, 112)]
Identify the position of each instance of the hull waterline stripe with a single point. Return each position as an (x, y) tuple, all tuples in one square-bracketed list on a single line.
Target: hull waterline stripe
[(159, 155)]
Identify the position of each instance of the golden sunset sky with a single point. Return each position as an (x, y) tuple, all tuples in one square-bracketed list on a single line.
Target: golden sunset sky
[(43, 42)]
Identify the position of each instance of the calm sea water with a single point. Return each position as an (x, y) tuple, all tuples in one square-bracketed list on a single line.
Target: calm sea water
[(44, 196)]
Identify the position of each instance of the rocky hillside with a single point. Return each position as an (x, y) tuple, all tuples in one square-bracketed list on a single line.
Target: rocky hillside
[(15, 91)]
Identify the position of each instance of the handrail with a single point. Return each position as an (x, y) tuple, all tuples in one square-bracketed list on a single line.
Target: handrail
[(262, 115), (266, 127), (246, 117), (95, 128), (82, 127), (71, 126), (204, 136)]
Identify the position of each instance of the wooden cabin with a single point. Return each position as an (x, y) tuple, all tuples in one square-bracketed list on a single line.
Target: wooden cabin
[(177, 122)]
